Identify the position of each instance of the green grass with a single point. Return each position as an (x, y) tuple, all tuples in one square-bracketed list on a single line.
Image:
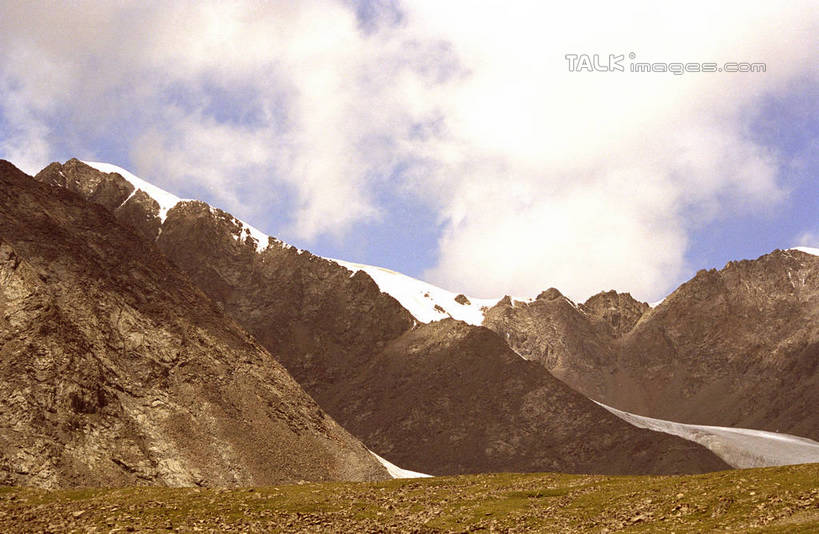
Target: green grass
[(783, 499)]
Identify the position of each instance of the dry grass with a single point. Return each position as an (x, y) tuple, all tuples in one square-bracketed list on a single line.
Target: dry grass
[(782, 499)]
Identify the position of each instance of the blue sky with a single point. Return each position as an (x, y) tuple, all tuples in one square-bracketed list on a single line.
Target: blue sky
[(445, 140), (788, 123)]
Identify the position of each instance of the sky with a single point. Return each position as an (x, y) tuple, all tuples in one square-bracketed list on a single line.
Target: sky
[(448, 140)]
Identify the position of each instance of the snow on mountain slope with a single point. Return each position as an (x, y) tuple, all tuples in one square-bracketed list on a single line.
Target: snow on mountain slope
[(397, 472), (168, 200), (424, 301), (807, 250), (738, 447)]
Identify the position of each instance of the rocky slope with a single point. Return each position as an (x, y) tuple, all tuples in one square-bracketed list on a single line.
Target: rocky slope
[(735, 347), (441, 398), (449, 398), (116, 370), (552, 330)]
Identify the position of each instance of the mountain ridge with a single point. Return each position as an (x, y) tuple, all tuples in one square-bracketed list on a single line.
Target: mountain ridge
[(329, 325), (590, 336)]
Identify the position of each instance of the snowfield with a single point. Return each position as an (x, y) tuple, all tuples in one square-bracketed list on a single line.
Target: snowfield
[(738, 447), (397, 472), (424, 301)]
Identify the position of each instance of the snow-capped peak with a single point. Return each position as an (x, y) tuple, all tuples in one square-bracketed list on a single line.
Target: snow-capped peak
[(424, 301), (165, 200), (168, 200)]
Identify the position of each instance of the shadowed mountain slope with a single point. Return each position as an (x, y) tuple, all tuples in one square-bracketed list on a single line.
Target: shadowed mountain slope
[(453, 398)]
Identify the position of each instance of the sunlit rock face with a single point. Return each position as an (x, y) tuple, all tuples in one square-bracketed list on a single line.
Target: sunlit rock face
[(116, 370)]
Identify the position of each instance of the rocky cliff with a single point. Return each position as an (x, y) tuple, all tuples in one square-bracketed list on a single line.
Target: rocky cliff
[(116, 370)]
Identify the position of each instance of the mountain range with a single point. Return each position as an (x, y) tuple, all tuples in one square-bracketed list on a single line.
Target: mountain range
[(131, 318)]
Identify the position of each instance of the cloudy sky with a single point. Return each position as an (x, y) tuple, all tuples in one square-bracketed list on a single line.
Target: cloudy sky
[(444, 139)]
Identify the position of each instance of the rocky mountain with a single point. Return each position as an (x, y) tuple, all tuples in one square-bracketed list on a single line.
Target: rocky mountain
[(446, 397), (744, 342), (734, 347), (116, 370)]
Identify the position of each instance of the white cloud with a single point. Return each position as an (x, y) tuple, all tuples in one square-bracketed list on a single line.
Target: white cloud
[(541, 177), (591, 181), (25, 141), (808, 238)]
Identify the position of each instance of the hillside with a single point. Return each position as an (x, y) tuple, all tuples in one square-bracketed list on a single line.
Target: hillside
[(115, 370)]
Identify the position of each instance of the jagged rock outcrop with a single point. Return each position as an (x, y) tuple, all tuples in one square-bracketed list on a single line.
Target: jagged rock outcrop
[(442, 398), (620, 311), (116, 370), (552, 330)]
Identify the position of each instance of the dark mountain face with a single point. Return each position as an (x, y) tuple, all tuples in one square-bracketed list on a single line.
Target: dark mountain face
[(116, 370), (736, 347), (451, 398), (439, 398), (320, 321)]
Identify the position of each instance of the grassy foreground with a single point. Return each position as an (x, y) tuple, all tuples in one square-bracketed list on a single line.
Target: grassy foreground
[(781, 499)]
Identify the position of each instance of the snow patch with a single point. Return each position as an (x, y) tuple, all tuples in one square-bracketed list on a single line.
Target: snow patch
[(807, 250), (397, 472), (165, 200), (738, 447), (260, 237), (574, 304), (424, 301), (129, 197)]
